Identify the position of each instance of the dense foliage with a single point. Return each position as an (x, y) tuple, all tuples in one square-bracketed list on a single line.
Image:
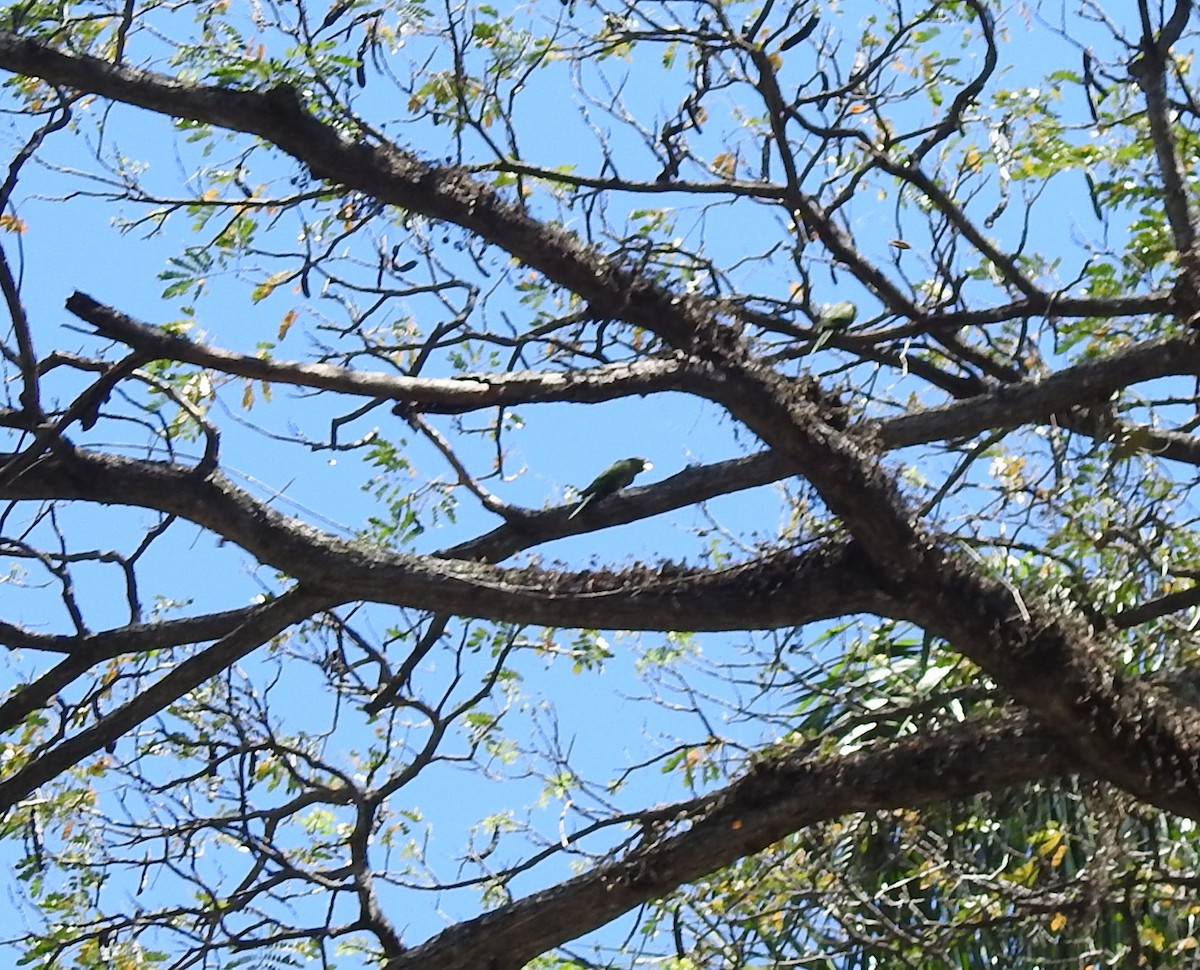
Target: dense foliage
[(886, 662)]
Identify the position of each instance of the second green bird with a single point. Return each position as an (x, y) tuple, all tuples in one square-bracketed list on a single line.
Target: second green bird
[(615, 477)]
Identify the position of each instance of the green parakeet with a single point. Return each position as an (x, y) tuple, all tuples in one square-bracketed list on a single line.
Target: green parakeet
[(837, 316), (615, 477)]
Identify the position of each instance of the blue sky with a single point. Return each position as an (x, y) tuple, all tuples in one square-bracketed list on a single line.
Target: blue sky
[(71, 245)]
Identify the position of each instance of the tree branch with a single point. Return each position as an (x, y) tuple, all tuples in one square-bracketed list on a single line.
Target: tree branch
[(457, 395), (782, 590), (263, 623), (773, 800), (1044, 661)]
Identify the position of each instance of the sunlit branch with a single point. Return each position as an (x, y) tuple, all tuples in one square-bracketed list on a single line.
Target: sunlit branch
[(428, 395)]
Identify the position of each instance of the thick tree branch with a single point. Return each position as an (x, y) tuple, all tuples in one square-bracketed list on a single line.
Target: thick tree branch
[(778, 796), (1038, 399), (1041, 660), (83, 652), (1003, 406), (1150, 72), (134, 638), (773, 800), (783, 590)]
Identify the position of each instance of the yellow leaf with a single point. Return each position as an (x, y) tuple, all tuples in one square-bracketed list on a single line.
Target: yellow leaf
[(1025, 874), (1152, 938), (725, 165), (1057, 922), (267, 286), (248, 397), (858, 109), (1052, 839), (11, 223), (286, 324)]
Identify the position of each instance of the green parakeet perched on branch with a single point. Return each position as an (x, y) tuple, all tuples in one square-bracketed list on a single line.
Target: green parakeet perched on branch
[(837, 315), (615, 477)]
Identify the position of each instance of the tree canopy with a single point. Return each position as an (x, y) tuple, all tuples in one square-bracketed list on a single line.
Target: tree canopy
[(887, 662)]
